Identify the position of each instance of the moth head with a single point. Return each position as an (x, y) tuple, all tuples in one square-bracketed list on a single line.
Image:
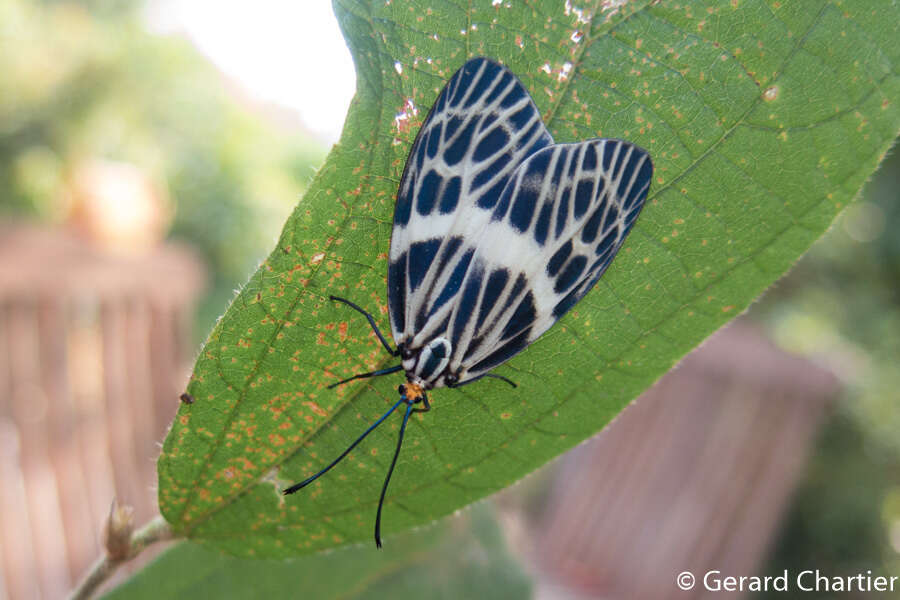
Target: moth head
[(412, 393)]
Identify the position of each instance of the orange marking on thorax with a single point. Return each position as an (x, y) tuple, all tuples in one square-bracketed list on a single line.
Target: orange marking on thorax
[(413, 392)]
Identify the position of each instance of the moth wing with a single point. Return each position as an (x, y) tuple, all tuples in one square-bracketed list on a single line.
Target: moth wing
[(482, 126), (557, 226)]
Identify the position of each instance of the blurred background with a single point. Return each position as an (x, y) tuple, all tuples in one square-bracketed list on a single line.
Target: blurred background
[(149, 155)]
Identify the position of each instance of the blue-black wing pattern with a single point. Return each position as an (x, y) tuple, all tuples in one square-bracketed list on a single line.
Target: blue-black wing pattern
[(481, 127), (558, 225), (504, 262)]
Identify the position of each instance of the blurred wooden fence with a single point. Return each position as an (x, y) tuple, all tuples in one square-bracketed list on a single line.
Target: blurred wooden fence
[(94, 351), (694, 476)]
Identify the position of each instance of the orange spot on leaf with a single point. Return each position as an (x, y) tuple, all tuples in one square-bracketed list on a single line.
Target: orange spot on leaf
[(315, 408)]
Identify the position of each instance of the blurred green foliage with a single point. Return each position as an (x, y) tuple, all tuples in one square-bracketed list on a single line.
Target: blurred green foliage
[(459, 558), (84, 80), (841, 305)]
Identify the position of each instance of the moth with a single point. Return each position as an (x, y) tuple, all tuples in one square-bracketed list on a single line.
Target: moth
[(498, 232)]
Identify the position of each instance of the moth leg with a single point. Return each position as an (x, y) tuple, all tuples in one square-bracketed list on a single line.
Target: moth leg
[(371, 319), (387, 371), (501, 378), (474, 379), (426, 405)]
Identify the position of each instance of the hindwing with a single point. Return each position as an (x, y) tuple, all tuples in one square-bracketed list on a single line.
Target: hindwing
[(559, 223)]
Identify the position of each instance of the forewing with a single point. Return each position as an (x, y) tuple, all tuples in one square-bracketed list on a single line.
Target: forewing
[(482, 126), (555, 229)]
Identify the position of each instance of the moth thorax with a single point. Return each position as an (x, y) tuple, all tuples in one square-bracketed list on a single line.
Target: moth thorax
[(431, 360)]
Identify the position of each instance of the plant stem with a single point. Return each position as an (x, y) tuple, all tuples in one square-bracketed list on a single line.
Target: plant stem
[(156, 530)]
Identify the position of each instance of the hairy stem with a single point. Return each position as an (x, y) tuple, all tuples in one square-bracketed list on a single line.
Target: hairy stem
[(156, 530)]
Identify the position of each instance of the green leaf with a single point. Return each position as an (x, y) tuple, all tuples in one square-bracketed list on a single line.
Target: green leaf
[(763, 120), (463, 559)]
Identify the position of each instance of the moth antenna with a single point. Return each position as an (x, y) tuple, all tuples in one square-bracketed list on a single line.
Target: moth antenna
[(309, 480), (387, 480)]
